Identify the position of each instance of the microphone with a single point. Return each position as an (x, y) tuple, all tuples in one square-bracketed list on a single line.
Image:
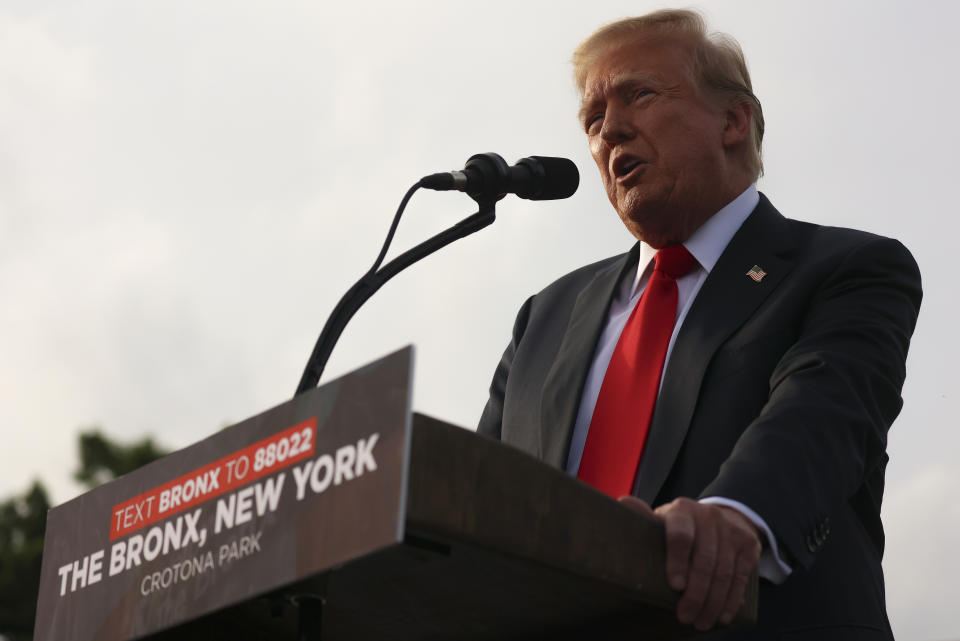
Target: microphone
[(488, 177)]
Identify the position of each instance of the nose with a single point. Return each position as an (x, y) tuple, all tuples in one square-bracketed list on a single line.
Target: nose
[(617, 126)]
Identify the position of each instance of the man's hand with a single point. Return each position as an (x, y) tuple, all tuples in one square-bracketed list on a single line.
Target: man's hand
[(711, 551)]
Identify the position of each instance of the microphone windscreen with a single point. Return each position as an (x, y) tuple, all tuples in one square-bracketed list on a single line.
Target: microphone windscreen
[(553, 178)]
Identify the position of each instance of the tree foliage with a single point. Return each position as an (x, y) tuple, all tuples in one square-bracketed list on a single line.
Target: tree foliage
[(102, 459), (23, 520)]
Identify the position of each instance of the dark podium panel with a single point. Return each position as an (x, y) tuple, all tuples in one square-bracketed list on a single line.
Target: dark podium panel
[(486, 543), (501, 546)]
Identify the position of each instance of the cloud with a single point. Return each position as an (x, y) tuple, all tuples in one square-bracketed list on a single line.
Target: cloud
[(922, 519), (35, 63)]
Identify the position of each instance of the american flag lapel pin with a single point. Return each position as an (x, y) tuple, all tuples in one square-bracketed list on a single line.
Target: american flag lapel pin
[(756, 273)]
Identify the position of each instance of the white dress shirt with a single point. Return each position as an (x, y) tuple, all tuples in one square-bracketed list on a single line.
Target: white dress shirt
[(706, 245)]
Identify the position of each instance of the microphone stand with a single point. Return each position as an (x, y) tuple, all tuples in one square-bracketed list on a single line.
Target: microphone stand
[(493, 181), (364, 288), (310, 606)]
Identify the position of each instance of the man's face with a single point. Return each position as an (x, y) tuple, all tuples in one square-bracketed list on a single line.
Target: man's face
[(657, 140)]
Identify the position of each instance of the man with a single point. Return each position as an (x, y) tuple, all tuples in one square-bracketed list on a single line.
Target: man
[(754, 418)]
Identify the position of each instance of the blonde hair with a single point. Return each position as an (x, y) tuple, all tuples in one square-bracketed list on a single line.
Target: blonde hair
[(716, 61)]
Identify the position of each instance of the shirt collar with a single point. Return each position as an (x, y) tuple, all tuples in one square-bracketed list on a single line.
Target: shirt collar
[(711, 238)]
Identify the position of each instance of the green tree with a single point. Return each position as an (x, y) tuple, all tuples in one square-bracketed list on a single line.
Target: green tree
[(102, 459), (23, 520)]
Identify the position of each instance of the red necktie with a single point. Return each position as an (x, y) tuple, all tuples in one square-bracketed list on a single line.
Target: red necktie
[(628, 394)]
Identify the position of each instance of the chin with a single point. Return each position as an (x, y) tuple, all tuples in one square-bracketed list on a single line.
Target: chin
[(643, 224)]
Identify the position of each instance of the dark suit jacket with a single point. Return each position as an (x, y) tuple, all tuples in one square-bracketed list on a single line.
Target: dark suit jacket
[(778, 394)]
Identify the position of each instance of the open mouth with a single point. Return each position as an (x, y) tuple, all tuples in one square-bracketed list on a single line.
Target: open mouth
[(625, 166)]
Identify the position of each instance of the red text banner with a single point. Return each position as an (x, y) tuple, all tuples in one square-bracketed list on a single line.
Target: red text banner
[(209, 481)]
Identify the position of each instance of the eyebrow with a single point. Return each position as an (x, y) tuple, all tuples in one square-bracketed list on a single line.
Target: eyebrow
[(619, 83)]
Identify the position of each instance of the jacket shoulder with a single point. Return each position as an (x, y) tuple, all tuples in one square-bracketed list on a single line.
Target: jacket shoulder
[(808, 240)]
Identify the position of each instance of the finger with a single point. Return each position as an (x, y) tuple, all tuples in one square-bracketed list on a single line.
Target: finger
[(680, 529), (700, 574), (719, 589), (738, 586), (637, 504)]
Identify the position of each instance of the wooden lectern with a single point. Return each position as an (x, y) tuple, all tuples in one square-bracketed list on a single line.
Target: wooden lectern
[(340, 515)]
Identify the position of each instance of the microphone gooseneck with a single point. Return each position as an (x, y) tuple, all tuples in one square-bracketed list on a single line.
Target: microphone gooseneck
[(486, 178)]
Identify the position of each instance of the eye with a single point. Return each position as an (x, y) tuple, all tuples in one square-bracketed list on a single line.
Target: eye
[(592, 123), (639, 93)]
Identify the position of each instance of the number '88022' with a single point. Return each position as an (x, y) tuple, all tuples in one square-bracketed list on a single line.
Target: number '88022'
[(282, 449)]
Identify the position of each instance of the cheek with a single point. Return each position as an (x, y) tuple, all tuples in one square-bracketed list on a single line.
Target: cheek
[(596, 147), (601, 156)]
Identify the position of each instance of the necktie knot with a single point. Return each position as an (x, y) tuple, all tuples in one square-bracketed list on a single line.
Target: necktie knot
[(675, 261)]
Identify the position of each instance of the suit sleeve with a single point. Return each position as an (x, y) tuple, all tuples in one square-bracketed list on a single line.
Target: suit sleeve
[(491, 419), (820, 440)]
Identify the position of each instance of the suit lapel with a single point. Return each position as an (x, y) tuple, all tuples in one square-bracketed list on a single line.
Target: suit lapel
[(564, 382), (727, 299)]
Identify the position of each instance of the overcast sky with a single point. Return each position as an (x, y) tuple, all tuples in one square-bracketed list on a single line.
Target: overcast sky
[(187, 188)]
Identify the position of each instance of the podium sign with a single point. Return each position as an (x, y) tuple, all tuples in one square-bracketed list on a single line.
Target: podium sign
[(280, 497)]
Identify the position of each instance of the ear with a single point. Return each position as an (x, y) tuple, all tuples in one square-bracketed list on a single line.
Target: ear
[(736, 130)]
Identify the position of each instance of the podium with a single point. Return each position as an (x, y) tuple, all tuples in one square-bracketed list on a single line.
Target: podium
[(340, 515)]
